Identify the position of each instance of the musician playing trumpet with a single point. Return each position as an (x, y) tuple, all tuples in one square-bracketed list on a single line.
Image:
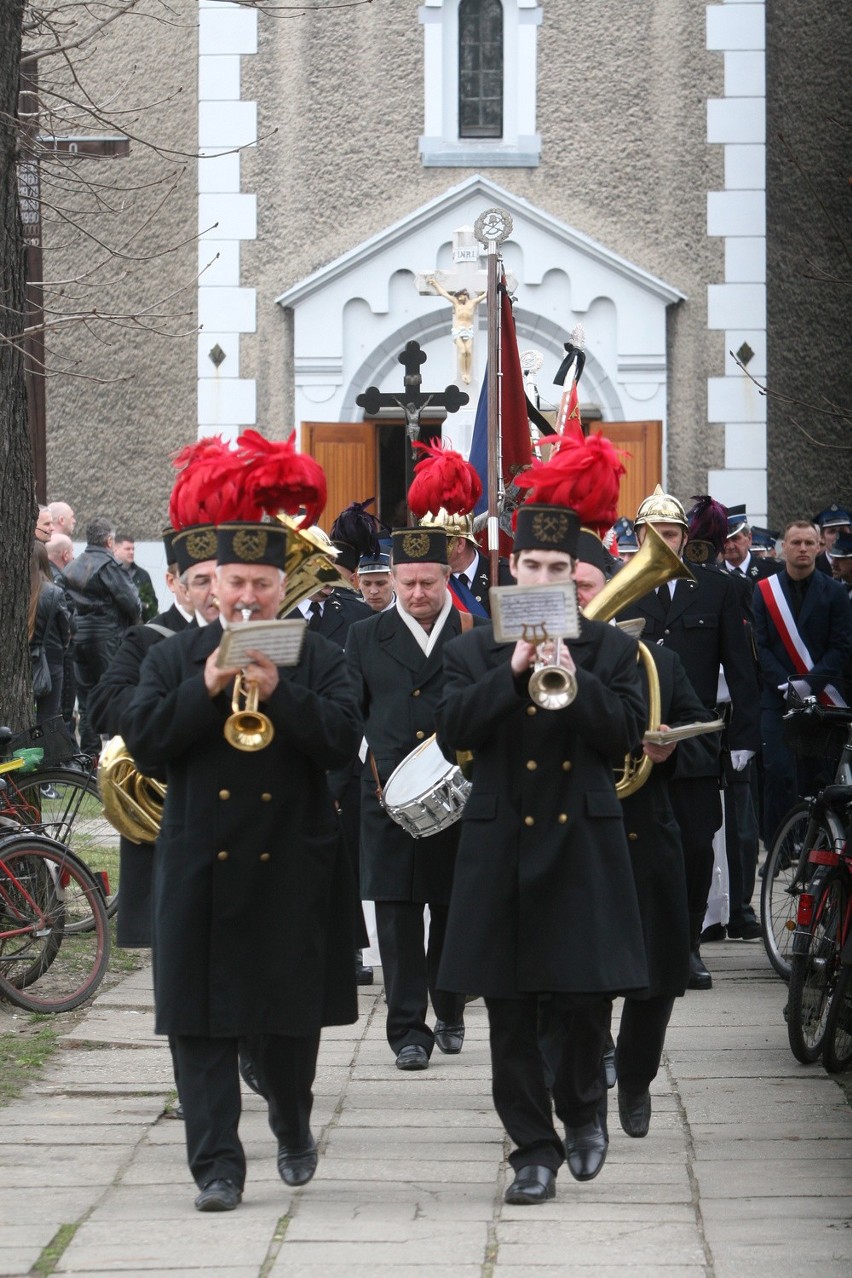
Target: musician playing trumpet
[(543, 903)]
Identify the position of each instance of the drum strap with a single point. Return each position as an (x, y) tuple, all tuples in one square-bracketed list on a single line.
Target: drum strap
[(466, 619)]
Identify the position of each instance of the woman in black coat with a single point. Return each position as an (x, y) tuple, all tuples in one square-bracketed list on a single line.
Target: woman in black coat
[(49, 630)]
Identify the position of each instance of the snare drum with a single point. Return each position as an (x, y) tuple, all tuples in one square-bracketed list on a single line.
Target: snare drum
[(425, 794)]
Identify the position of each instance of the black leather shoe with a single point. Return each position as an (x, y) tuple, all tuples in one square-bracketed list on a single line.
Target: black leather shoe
[(609, 1067), (249, 1075), (585, 1149), (748, 931), (412, 1056), (449, 1038), (699, 977), (531, 1185), (635, 1114), (297, 1167), (715, 932), (218, 1195), (363, 975)]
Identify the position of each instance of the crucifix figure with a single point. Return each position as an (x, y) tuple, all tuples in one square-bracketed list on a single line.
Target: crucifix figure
[(464, 310), (464, 288), (412, 400)]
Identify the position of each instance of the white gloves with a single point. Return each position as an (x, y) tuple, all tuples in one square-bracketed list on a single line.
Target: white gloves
[(739, 759)]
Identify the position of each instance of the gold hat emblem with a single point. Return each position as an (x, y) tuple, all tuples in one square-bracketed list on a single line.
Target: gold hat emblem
[(415, 545), (201, 545), (250, 544), (550, 527)]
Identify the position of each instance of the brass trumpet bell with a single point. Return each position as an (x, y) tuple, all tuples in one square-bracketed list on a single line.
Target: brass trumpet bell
[(247, 728), (551, 686)]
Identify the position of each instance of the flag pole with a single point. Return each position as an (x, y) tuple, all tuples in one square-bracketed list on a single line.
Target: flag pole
[(491, 228)]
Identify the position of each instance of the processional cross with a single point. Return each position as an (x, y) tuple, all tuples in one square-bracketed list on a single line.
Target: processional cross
[(412, 399)]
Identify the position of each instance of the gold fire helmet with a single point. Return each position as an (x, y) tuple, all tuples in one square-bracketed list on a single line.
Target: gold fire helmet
[(660, 508), (454, 525)]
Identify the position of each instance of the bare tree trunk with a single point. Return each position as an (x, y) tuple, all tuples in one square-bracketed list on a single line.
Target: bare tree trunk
[(17, 500)]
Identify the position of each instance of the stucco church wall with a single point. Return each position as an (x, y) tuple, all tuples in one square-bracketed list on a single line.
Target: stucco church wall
[(810, 346), (110, 430), (622, 95)]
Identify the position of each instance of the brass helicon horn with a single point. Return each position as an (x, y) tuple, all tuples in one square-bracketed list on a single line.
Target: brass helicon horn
[(653, 564), (133, 803)]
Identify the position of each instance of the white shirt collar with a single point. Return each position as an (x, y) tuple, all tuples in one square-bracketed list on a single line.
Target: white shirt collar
[(427, 641)]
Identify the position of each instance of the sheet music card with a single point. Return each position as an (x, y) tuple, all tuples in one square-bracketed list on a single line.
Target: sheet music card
[(280, 641), (534, 613)]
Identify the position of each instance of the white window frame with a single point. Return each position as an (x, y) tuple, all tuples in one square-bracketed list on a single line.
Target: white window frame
[(440, 144)]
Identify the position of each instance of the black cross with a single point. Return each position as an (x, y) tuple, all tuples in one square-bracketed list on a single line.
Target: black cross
[(412, 400)]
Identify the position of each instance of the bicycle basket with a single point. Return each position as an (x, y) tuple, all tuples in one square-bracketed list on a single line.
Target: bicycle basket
[(815, 736), (51, 736)]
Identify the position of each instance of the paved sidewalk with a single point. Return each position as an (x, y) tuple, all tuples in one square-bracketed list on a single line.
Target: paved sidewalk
[(747, 1169)]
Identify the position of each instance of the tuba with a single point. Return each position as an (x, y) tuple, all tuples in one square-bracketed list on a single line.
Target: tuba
[(309, 564), (652, 565), (133, 803)]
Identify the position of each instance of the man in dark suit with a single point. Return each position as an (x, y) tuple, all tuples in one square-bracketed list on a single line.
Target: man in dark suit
[(803, 623), (191, 581), (738, 559), (254, 908), (702, 621), (395, 662), (831, 522), (543, 900)]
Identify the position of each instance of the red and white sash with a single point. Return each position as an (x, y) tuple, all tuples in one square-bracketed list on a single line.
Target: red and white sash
[(795, 646)]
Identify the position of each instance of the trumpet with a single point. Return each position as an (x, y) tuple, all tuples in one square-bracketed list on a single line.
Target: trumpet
[(551, 686), (247, 728)]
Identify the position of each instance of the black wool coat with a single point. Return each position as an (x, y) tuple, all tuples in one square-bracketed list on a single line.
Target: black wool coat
[(543, 898), (704, 625), (398, 689), (108, 702), (653, 836), (254, 905)]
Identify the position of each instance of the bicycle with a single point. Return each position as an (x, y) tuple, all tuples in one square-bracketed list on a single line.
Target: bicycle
[(823, 732), (62, 801), (47, 963), (837, 1047), (823, 925)]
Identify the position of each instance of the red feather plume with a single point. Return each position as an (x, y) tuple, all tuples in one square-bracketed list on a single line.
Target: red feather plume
[(280, 479), (443, 479), (583, 474), (210, 486)]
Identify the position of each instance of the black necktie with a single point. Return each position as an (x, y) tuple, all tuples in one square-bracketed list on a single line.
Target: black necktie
[(316, 615), (738, 572)]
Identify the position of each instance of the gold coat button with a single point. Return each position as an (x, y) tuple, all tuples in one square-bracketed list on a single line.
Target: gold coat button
[(222, 856), (264, 856), (224, 794), (529, 820), (416, 692), (566, 765), (420, 735), (531, 765), (562, 818), (633, 837), (266, 798), (532, 709)]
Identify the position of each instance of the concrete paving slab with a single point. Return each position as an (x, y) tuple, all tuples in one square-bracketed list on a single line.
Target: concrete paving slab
[(236, 1238)]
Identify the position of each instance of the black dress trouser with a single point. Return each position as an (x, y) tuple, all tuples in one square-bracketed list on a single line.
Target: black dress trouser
[(210, 1096), (578, 1028), (410, 971), (697, 805), (641, 1036)]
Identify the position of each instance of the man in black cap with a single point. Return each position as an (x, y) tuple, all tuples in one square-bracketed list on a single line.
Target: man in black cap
[(831, 522), (253, 903), (841, 561), (543, 900), (395, 661), (375, 581), (738, 557)]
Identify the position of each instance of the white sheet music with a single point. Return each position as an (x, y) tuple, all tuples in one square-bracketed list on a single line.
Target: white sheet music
[(280, 641), (534, 613)]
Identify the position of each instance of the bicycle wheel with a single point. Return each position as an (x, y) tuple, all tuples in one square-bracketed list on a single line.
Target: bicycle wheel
[(785, 872), (65, 805), (837, 1046), (813, 976), (46, 965)]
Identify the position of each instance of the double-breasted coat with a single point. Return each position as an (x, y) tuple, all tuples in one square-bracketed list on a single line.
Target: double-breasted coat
[(254, 903), (398, 689), (543, 898), (703, 623)]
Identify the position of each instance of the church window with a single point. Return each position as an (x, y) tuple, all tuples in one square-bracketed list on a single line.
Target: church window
[(480, 69), (479, 80)]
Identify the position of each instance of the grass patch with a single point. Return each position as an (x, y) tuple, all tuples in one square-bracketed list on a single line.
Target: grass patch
[(24, 1053), (52, 1254)]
